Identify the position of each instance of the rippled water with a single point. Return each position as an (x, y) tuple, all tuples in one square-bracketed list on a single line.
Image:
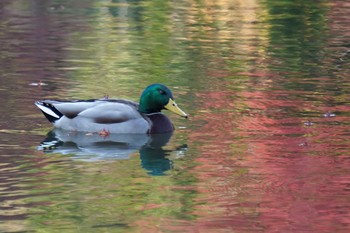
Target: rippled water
[(266, 148)]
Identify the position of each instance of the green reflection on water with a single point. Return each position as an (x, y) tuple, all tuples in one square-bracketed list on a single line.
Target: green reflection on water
[(114, 194), (125, 48), (298, 34)]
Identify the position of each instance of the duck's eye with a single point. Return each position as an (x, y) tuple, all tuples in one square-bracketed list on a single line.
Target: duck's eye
[(161, 92)]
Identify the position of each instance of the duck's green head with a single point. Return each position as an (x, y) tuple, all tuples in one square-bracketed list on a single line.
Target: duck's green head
[(157, 97)]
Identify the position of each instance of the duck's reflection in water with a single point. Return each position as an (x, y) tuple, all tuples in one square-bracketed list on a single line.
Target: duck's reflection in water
[(94, 147)]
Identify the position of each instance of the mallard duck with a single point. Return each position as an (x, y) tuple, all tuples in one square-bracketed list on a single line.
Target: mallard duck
[(115, 115)]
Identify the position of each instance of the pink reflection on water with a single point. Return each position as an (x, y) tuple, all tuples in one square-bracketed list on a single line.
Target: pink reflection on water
[(261, 169), (300, 184)]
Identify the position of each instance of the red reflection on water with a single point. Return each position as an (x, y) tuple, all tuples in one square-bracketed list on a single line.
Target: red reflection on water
[(301, 168), (262, 169)]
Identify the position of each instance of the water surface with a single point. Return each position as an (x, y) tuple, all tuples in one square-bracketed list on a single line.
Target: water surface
[(266, 147)]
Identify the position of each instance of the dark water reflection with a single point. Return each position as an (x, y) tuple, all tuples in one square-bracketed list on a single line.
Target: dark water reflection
[(266, 148), (94, 147)]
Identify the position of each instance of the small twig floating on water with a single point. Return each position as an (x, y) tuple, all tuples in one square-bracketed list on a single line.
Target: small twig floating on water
[(38, 84), (329, 114)]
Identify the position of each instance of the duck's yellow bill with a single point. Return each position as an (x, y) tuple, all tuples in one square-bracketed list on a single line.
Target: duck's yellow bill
[(172, 106)]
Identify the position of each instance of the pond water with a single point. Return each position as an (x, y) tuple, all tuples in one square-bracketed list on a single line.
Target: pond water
[(266, 147)]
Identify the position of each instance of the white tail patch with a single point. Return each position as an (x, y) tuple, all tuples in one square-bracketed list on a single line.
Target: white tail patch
[(47, 110)]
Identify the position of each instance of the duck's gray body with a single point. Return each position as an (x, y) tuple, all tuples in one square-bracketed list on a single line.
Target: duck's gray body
[(110, 115)]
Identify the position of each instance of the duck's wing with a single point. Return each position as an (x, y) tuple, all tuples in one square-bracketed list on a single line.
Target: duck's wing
[(109, 112), (97, 110)]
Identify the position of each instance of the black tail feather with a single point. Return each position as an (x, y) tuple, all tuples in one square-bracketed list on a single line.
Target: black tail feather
[(49, 111)]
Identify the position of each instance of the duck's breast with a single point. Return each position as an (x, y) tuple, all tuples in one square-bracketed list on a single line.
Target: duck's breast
[(160, 123)]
